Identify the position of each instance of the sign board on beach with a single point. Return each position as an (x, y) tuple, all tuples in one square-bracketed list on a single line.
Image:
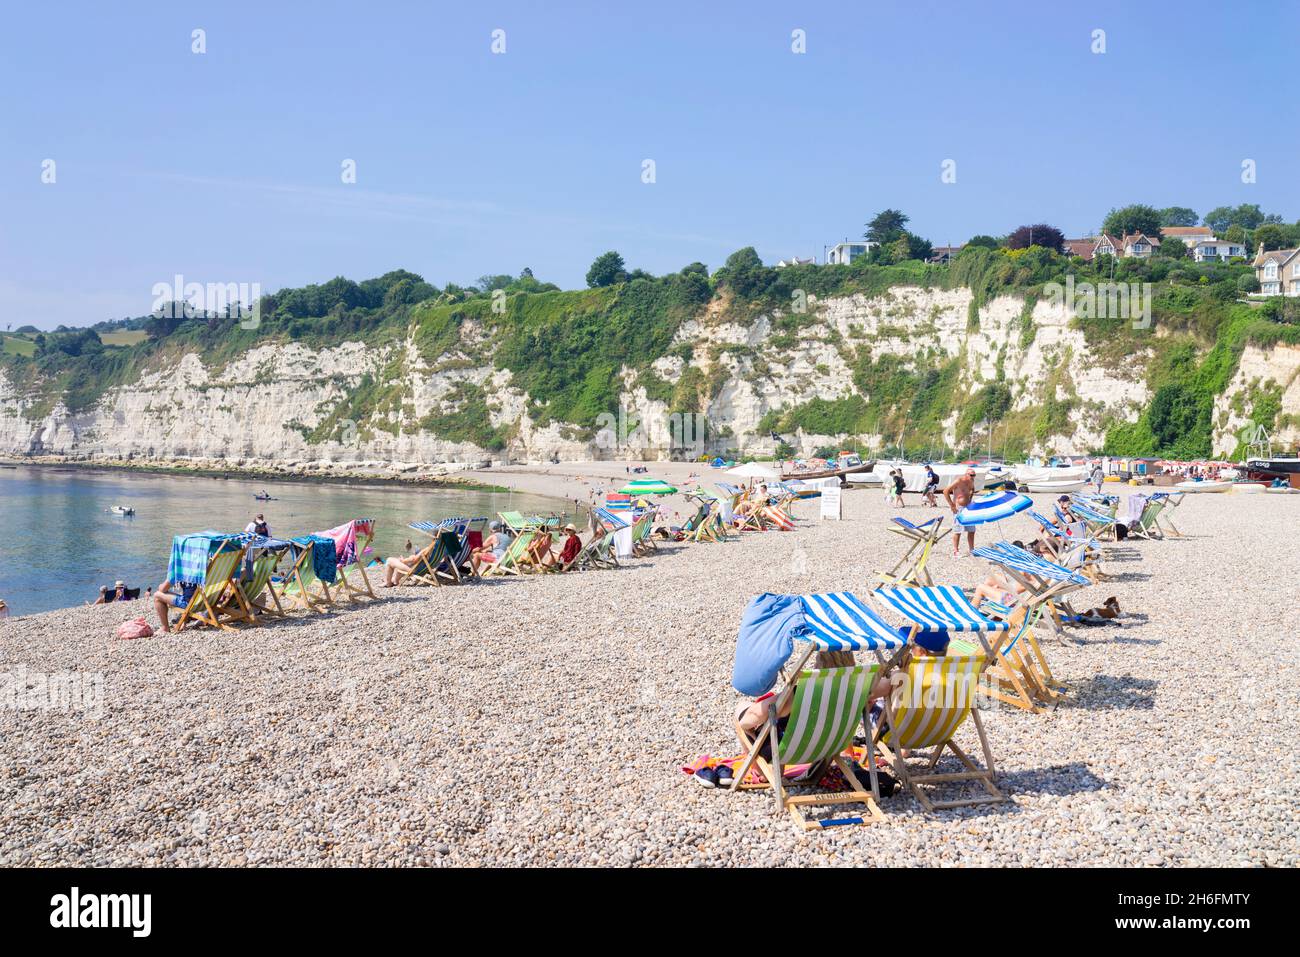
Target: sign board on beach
[(831, 504)]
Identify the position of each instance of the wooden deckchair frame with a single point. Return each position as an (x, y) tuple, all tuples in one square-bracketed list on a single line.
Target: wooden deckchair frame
[(205, 605), (914, 571), (305, 598), (250, 609), (773, 770), (343, 587), (913, 781)]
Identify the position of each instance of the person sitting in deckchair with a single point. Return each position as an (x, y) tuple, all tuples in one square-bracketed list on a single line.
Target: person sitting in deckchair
[(752, 717), (1063, 506), (118, 593), (396, 568), (998, 589), (165, 597), (494, 547), (572, 545)]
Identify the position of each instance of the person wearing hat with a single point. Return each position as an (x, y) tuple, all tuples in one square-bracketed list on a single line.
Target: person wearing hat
[(117, 594), (572, 545), (494, 547), (958, 495)]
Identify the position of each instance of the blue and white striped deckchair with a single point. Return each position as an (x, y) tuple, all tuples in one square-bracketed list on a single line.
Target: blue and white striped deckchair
[(613, 520), (1046, 583), (839, 621), (1073, 551), (939, 612), (1098, 523), (909, 570)]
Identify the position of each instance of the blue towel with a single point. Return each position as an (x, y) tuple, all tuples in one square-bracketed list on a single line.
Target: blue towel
[(324, 556), (190, 553), (765, 641)]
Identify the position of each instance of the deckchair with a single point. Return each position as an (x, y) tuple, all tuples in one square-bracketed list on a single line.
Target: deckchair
[(1072, 548), (1046, 583), (1098, 524), (910, 570), (1019, 672), (516, 522), (926, 710), (777, 516), (205, 604), (433, 563), (508, 564), (1165, 518), (358, 534), (266, 554), (533, 558), (1148, 526), (642, 540), (598, 553), (302, 587), (828, 705)]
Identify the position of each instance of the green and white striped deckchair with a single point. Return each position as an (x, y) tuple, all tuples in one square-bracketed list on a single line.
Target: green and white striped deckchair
[(205, 605), (1148, 526), (508, 564), (827, 706), (302, 587), (250, 609), (641, 540), (924, 711)]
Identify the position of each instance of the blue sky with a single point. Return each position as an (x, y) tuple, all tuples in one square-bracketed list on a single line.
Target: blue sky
[(225, 166)]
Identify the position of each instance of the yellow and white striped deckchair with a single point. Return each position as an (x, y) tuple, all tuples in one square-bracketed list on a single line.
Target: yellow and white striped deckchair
[(924, 711), (828, 706)]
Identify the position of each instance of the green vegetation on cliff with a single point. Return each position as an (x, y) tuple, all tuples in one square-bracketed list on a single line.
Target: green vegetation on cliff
[(568, 349)]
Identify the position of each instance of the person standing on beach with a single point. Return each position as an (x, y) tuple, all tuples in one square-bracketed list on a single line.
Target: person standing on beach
[(258, 526), (1097, 477), (958, 495), (899, 485), (931, 486)]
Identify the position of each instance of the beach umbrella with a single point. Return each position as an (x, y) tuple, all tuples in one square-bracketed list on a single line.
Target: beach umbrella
[(752, 470), (993, 507), (647, 487)]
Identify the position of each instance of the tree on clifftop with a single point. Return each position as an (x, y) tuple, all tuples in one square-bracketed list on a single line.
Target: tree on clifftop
[(1039, 234), (888, 225), (1133, 219), (607, 270), (1178, 216)]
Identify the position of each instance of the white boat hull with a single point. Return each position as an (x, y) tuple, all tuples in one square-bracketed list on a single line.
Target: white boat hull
[(1075, 485), (1203, 486)]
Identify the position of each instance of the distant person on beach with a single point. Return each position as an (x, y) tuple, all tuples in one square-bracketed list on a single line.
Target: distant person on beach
[(118, 593), (899, 485), (931, 486), (167, 597), (494, 548), (958, 495), (1097, 477), (258, 526)]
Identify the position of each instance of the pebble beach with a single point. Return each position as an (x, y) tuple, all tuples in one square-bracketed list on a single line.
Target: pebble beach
[(544, 720)]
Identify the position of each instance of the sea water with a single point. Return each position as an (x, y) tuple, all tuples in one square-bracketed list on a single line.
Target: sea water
[(59, 542)]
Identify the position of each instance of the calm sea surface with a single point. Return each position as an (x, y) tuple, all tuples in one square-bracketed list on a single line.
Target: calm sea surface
[(59, 542)]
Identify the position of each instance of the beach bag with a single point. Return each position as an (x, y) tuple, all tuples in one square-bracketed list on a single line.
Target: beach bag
[(134, 628)]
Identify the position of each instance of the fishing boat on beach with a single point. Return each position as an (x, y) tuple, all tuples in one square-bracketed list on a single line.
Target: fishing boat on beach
[(844, 465)]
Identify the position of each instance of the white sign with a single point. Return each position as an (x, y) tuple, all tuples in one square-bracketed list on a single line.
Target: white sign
[(831, 504)]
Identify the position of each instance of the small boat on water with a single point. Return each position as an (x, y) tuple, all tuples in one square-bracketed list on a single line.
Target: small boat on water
[(122, 510), (1205, 485), (1059, 487), (266, 498)]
